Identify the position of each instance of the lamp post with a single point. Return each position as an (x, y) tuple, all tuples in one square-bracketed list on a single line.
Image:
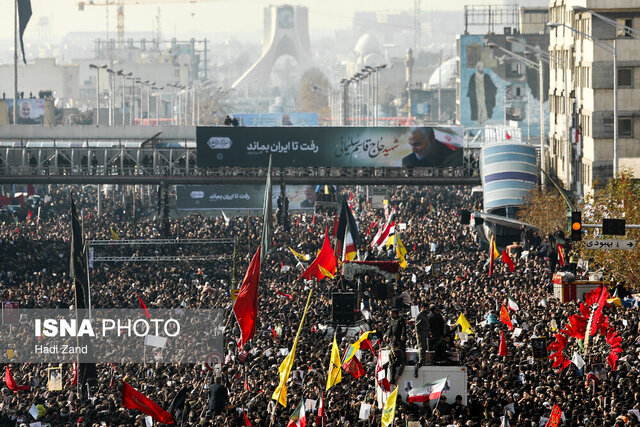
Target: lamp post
[(132, 99), (97, 68), (344, 109), (377, 70), (612, 50)]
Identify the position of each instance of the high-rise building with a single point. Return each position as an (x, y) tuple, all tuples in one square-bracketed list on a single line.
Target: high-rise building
[(581, 93)]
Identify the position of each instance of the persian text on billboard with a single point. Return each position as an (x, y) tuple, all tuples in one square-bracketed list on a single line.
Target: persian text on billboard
[(330, 146)]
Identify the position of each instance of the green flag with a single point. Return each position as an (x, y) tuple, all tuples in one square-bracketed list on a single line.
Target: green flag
[(267, 226)]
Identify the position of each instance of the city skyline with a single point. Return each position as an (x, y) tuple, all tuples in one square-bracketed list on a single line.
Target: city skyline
[(218, 17)]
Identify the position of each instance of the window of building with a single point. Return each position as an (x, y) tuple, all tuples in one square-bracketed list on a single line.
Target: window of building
[(625, 77), (625, 127), (623, 32)]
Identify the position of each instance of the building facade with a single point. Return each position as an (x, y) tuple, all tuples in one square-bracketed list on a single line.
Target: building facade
[(581, 91)]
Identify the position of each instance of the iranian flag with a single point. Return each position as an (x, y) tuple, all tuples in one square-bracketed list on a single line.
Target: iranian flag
[(512, 305), (299, 417), (427, 392)]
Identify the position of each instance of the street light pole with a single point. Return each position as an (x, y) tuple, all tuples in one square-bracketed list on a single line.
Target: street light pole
[(615, 110)]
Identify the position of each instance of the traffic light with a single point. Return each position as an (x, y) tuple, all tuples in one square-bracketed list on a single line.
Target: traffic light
[(576, 226), (613, 227)]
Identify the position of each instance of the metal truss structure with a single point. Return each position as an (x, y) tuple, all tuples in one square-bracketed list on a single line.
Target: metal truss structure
[(158, 242)]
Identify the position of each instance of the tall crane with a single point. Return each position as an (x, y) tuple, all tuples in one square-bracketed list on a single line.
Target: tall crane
[(121, 3)]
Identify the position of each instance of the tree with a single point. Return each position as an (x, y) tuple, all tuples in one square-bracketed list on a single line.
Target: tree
[(313, 93), (620, 198), (544, 209)]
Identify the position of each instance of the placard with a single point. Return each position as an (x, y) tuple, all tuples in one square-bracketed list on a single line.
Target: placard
[(539, 348)]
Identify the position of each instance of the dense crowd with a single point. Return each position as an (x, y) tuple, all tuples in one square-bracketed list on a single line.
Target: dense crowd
[(34, 271)]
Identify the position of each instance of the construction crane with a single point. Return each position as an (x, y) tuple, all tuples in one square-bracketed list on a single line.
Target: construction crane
[(121, 3)]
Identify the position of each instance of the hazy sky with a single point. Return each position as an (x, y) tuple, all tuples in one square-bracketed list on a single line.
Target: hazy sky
[(226, 16)]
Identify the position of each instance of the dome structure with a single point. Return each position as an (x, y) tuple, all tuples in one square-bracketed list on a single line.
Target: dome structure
[(447, 73), (367, 44)]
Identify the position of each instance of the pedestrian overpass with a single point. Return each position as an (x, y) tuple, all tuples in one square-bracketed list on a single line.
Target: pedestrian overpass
[(166, 155)]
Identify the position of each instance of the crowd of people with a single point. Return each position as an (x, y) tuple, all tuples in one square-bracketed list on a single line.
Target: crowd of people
[(34, 272)]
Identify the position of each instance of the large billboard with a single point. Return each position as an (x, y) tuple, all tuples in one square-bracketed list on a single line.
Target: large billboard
[(220, 197), (30, 111), (330, 146), (496, 89), (277, 119)]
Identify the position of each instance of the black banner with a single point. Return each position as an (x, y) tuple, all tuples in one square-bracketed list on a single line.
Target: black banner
[(330, 146)]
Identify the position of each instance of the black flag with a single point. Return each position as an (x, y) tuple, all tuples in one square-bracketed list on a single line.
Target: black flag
[(177, 405), (24, 14), (87, 373), (346, 217), (78, 264)]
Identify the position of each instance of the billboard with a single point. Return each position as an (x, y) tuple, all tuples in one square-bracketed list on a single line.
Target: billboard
[(277, 119), (330, 146), (220, 197), (496, 89), (30, 111)]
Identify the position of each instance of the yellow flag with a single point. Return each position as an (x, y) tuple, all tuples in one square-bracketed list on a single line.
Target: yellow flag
[(355, 347), (114, 235), (325, 272), (334, 376), (280, 393), (389, 411), (615, 301), (493, 250), (401, 251), (300, 256), (466, 327)]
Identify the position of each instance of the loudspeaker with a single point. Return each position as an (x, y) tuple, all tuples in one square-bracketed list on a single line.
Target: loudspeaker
[(465, 217), (343, 307)]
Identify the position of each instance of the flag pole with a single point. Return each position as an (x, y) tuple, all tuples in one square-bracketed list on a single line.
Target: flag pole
[(15, 62)]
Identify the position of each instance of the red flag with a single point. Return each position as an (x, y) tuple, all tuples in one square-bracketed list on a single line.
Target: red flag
[(274, 334), (354, 367), (74, 380), (133, 399), (555, 418), (561, 255), (321, 419), (313, 220), (246, 386), (502, 350), (366, 344), (144, 307), (246, 306), (504, 317), (8, 378), (381, 376), (325, 259), (310, 230), (28, 215), (507, 260), (246, 419)]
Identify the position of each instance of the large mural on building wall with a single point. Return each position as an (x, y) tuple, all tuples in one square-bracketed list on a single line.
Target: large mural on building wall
[(495, 89)]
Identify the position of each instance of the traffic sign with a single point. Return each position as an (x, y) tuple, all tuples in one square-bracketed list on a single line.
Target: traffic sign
[(610, 244)]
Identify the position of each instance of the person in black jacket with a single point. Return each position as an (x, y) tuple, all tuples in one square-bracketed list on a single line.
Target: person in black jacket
[(218, 396), (436, 326)]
